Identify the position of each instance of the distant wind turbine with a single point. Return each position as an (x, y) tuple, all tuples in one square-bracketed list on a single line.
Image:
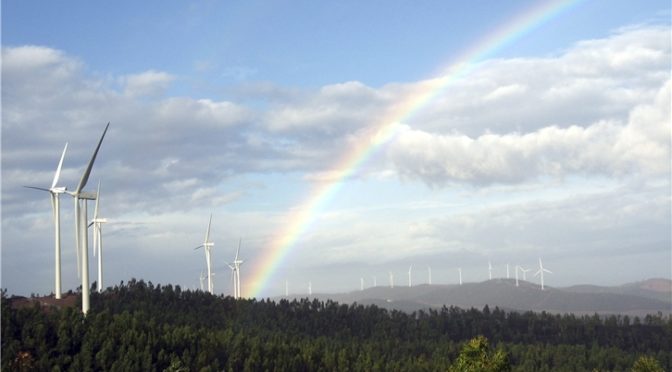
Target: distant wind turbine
[(207, 247), (490, 270), (201, 279), (286, 288), (97, 223), (375, 282), (507, 271), (81, 233), (361, 284), (524, 271), (409, 275), (516, 269), (541, 273), (310, 288), (391, 280), (237, 262), (55, 193), (459, 271), (429, 273)]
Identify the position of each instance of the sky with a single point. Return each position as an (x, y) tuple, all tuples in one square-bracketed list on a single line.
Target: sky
[(341, 140)]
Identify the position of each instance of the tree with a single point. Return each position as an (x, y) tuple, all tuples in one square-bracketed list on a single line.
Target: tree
[(477, 357), (647, 364)]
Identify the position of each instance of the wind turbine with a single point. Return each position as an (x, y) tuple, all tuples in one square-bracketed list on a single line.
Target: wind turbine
[(507, 271), (429, 272), (409, 275), (81, 233), (490, 270), (202, 278), (310, 288), (361, 284), (375, 282), (524, 271), (236, 263), (98, 239), (391, 280), (459, 271), (541, 273), (54, 194), (207, 246), (286, 288), (516, 269)]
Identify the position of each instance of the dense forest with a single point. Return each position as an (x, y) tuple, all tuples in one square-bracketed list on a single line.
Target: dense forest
[(139, 326)]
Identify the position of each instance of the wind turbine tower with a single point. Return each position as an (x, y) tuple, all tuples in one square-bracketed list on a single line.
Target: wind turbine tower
[(81, 233), (207, 247), (361, 284), (490, 270), (541, 273), (375, 282), (55, 196), (429, 273), (310, 288), (507, 271), (516, 269), (391, 280), (97, 223), (459, 271), (286, 288)]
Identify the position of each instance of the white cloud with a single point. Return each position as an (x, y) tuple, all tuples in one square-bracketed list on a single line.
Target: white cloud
[(603, 148), (147, 83)]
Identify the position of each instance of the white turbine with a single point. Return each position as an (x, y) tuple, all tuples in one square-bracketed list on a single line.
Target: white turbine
[(310, 288), (55, 196), (97, 222), (524, 271), (516, 269), (286, 288), (361, 284), (541, 273), (236, 263), (507, 271), (490, 270), (409, 275), (429, 272), (391, 280), (207, 247), (459, 271), (375, 282), (81, 233), (202, 278)]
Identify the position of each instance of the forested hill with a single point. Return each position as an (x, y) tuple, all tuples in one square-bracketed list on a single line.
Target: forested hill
[(140, 326)]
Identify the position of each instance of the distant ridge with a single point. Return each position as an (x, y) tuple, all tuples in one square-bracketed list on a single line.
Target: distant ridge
[(635, 299)]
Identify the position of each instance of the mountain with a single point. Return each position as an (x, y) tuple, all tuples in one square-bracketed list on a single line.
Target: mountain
[(648, 297)]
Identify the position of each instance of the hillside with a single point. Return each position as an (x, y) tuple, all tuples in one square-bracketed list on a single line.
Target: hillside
[(639, 299)]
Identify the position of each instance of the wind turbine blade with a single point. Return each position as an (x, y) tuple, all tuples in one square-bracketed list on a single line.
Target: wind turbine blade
[(238, 250), (200, 246), (548, 271), (60, 165), (37, 188), (207, 232), (95, 211), (537, 273), (87, 172)]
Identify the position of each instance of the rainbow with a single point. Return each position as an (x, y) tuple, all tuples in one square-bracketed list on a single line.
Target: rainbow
[(302, 217)]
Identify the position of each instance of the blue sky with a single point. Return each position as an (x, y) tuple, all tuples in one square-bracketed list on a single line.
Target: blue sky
[(557, 146)]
